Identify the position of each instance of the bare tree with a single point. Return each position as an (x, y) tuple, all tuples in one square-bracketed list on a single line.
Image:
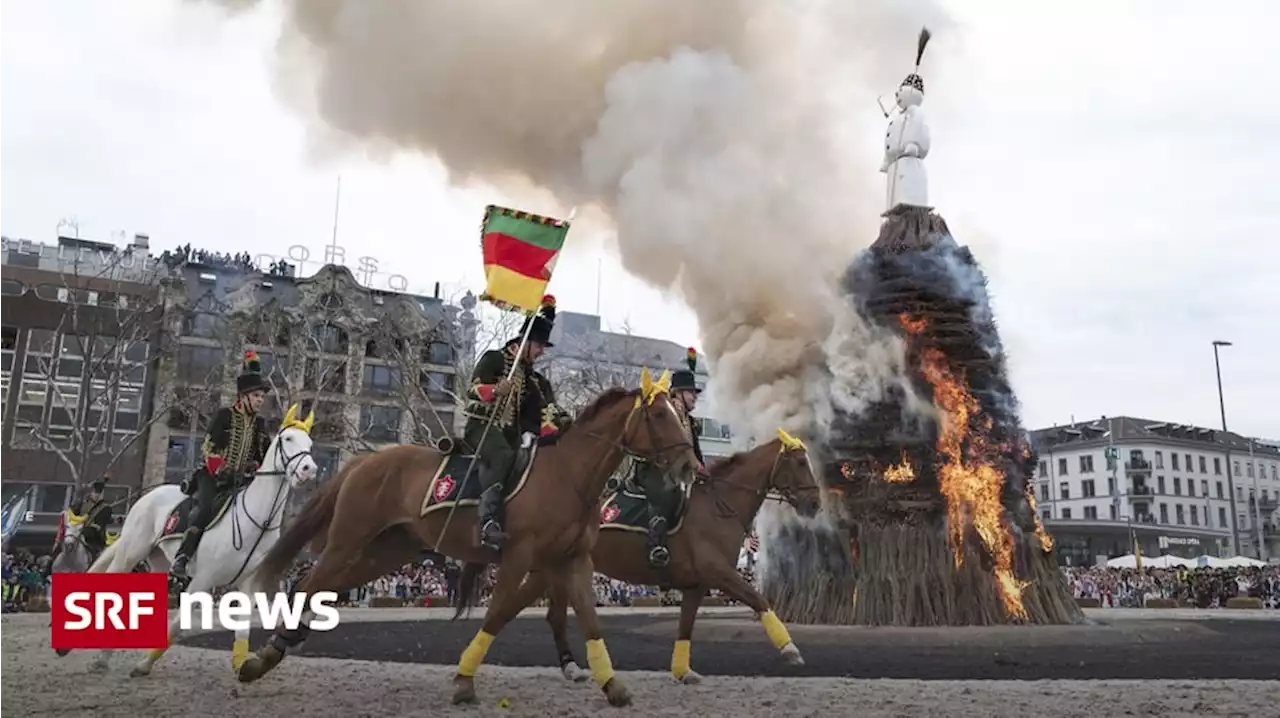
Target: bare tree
[(98, 363)]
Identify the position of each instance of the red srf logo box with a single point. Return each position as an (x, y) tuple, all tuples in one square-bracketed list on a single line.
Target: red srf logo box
[(110, 610)]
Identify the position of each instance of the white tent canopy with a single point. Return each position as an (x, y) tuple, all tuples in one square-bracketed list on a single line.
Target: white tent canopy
[(1131, 561)]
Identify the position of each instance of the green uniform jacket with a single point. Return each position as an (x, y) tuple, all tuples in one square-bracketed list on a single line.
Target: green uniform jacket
[(236, 439), (96, 523), (531, 405)]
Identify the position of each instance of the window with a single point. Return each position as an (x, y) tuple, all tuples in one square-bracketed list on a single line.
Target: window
[(1111, 486), (1235, 467), (1202, 469), (1179, 514), (380, 423), (1064, 490), (1066, 513), (1044, 491), (275, 368), (41, 341), (439, 353), (51, 498), (12, 288), (10, 348), (380, 379), (1217, 466), (1189, 468), (1046, 515), (325, 375), (1086, 464), (200, 365), (1044, 468), (1222, 517), (1159, 459), (1222, 494), (1177, 486), (181, 458), (1062, 467), (1164, 513), (1204, 487), (326, 458), (1160, 485), (1173, 458), (1195, 515), (1191, 487), (1091, 512), (1087, 489), (1248, 466), (1115, 512), (437, 385), (204, 325), (329, 339)]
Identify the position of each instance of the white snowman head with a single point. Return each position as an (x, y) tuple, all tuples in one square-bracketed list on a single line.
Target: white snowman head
[(911, 92)]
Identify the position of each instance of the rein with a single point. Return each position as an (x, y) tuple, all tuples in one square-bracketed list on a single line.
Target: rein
[(277, 506), (766, 492)]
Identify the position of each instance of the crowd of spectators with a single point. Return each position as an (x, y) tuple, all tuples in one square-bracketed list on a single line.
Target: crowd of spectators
[(26, 576), (1200, 587)]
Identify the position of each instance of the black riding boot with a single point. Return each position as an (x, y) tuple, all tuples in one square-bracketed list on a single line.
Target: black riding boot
[(491, 534), (190, 542), (659, 554)]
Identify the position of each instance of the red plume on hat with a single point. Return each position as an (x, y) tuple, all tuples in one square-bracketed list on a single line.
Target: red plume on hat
[(691, 358), (252, 363)]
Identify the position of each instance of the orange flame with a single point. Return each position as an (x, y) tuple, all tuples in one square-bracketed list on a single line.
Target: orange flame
[(969, 479), (900, 473), (1046, 541)]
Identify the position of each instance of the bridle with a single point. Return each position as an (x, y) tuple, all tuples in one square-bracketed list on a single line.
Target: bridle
[(765, 492)]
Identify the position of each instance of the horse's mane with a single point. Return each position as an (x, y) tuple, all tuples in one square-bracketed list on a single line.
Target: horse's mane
[(605, 401), (724, 467)]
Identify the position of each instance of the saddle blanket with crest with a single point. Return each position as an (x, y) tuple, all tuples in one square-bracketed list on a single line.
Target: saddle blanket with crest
[(447, 487), (180, 517), (627, 509)]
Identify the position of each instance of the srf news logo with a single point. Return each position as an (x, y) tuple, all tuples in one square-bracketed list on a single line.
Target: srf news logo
[(122, 611)]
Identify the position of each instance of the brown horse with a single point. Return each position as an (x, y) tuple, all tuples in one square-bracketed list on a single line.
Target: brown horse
[(704, 548), (378, 515)]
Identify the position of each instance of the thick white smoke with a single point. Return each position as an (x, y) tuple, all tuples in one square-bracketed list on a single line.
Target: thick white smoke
[(716, 137)]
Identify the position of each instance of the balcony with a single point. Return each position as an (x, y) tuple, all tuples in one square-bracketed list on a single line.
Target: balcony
[(1141, 493), (1137, 466), (1270, 530), (1267, 505)]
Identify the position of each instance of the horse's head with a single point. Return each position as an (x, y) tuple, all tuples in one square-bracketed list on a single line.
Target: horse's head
[(73, 526), (654, 430), (793, 478), (290, 452)]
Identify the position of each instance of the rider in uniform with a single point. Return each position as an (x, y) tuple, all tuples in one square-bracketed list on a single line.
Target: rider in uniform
[(525, 403), (234, 446), (662, 496), (98, 517)]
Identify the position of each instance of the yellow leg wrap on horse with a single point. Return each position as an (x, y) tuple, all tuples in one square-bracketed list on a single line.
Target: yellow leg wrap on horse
[(239, 653), (599, 661), (778, 633), (155, 653), (680, 659), (474, 655)]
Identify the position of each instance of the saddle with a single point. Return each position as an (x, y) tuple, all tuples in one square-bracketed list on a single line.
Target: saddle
[(447, 486), (180, 517)]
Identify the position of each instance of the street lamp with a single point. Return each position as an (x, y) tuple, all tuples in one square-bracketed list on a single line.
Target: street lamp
[(1231, 487)]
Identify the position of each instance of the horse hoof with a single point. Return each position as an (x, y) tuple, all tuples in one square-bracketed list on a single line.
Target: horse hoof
[(139, 672), (618, 695), (250, 670), (791, 655), (464, 690), (62, 652), (692, 678), (572, 672)]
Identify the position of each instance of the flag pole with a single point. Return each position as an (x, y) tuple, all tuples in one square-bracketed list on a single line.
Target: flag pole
[(471, 465)]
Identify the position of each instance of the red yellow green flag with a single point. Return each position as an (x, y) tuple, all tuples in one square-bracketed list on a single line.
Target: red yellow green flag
[(520, 251)]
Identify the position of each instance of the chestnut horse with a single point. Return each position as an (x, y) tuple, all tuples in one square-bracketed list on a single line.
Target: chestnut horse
[(376, 519), (704, 550)]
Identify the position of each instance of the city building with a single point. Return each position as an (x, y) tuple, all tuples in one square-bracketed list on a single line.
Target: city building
[(130, 354), (81, 323), (378, 367), (587, 360), (1174, 488)]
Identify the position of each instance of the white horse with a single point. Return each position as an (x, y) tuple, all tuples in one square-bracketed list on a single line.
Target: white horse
[(75, 555), (231, 547)]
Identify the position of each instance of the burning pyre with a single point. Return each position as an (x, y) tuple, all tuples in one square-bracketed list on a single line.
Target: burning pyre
[(940, 525)]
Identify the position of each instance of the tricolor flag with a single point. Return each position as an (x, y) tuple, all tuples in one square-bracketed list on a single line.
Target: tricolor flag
[(520, 251)]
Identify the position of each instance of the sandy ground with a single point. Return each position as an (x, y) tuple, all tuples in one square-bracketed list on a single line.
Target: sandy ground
[(198, 682)]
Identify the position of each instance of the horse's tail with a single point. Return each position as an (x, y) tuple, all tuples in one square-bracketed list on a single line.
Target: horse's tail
[(469, 588), (314, 517)]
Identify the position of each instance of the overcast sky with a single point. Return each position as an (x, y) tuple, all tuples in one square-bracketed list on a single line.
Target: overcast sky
[(1111, 163)]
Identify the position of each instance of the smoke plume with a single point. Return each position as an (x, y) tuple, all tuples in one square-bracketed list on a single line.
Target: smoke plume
[(716, 137)]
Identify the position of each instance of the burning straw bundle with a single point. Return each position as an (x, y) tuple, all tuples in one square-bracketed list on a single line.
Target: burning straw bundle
[(940, 527)]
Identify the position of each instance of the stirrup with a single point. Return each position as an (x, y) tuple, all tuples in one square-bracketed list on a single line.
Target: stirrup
[(659, 556)]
